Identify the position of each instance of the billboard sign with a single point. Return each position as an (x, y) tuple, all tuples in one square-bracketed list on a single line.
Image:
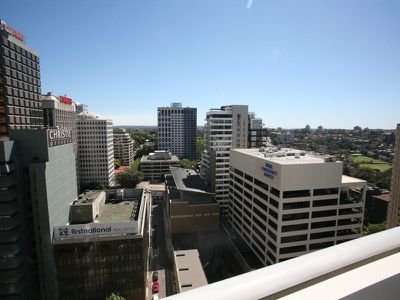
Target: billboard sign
[(65, 100), (94, 229), (56, 137), (12, 31)]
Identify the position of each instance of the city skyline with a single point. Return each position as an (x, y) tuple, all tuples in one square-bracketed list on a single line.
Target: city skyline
[(293, 63)]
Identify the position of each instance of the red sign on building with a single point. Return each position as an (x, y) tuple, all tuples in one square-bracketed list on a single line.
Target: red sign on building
[(66, 100), (13, 32)]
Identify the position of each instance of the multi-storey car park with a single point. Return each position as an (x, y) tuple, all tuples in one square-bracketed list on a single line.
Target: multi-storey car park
[(285, 203)]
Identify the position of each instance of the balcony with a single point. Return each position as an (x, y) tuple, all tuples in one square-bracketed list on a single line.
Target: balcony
[(369, 263)]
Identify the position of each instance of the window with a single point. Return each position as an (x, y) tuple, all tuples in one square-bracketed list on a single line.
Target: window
[(292, 217), (296, 205), (324, 213), (296, 194), (287, 250), (327, 202), (328, 191)]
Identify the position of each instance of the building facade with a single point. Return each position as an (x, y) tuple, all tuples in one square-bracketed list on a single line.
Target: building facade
[(286, 203), (95, 149), (393, 218), (35, 196), (123, 147), (60, 112), (226, 128), (20, 86), (177, 127), (104, 248), (191, 207), (156, 165), (257, 133)]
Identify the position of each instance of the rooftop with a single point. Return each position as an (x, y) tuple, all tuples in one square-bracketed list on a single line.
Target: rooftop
[(189, 186), (286, 156), (189, 180), (189, 269), (151, 186), (121, 170), (146, 158), (352, 181), (126, 210), (383, 197), (87, 197)]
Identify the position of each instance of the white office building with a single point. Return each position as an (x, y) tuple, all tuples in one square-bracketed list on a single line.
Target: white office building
[(95, 149), (177, 127), (226, 128), (123, 147), (286, 202)]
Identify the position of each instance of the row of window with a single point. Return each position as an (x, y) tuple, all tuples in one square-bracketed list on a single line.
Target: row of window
[(20, 50)]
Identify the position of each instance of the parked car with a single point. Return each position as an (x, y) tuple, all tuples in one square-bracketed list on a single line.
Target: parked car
[(156, 287), (155, 276)]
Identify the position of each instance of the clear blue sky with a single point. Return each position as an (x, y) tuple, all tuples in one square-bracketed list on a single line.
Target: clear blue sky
[(333, 63)]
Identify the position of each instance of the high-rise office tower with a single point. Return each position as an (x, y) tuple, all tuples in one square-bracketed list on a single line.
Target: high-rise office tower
[(226, 128), (177, 128), (60, 112), (123, 146), (95, 149), (285, 203), (257, 133), (19, 82), (393, 216), (37, 184)]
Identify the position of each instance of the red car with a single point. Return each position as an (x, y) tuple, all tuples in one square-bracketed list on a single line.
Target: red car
[(156, 287)]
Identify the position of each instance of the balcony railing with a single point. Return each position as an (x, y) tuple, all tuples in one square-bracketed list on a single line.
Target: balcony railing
[(286, 278)]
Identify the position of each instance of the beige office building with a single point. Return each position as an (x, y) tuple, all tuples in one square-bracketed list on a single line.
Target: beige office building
[(285, 203), (156, 165)]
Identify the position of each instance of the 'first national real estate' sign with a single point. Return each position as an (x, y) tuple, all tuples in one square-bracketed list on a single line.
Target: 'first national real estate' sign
[(94, 229)]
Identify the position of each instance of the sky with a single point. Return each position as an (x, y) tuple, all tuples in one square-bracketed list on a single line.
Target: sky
[(332, 63)]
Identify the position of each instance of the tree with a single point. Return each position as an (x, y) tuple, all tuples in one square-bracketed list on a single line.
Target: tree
[(94, 186), (142, 151), (115, 297), (129, 179), (200, 145), (374, 228), (187, 163), (117, 163)]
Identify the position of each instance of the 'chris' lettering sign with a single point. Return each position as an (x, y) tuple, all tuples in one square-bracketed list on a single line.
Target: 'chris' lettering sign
[(269, 171), (56, 137)]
